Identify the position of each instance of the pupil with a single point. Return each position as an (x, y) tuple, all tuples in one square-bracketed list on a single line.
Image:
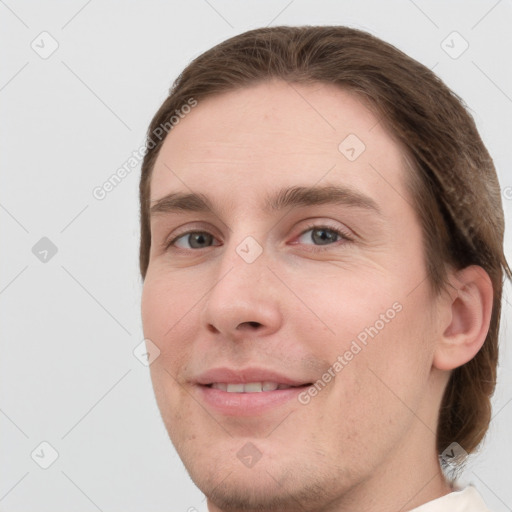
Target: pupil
[(200, 238), (323, 238)]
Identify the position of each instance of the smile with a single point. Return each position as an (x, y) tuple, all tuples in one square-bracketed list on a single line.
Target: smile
[(249, 387)]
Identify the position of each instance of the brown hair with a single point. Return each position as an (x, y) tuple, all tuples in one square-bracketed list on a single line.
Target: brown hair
[(452, 179)]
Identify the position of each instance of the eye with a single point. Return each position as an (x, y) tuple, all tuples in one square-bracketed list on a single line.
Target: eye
[(324, 235), (196, 239), (320, 235)]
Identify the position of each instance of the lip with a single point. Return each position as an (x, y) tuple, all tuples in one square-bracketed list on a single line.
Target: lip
[(246, 404), (244, 375)]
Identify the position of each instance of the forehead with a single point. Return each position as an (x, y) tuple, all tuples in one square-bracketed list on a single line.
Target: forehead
[(274, 135)]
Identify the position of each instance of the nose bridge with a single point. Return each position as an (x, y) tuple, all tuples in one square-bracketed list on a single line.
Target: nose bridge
[(242, 295), (244, 258)]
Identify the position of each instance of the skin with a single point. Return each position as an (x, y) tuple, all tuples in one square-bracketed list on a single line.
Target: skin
[(366, 442)]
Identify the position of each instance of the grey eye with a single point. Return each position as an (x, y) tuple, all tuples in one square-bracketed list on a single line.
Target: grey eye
[(321, 236), (196, 239)]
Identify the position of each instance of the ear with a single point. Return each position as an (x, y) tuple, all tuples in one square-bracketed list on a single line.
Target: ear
[(466, 314)]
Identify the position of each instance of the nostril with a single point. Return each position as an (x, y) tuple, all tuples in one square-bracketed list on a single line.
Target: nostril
[(249, 325)]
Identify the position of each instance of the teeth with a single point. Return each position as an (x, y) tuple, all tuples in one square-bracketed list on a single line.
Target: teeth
[(249, 387), (235, 388), (253, 387), (269, 386)]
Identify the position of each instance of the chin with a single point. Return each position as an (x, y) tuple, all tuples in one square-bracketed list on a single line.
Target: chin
[(275, 482)]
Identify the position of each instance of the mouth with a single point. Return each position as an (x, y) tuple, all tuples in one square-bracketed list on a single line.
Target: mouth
[(253, 387), (249, 391)]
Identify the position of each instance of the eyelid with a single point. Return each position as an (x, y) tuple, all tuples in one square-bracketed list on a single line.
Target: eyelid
[(345, 234), (199, 228), (342, 231)]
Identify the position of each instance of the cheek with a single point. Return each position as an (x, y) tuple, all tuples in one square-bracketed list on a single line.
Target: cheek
[(154, 309), (165, 301), (161, 310), (164, 313), (389, 376), (383, 335), (342, 307), (377, 390)]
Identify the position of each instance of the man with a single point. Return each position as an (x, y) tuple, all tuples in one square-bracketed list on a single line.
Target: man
[(322, 255)]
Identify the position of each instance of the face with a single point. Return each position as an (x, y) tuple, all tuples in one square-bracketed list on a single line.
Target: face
[(320, 293)]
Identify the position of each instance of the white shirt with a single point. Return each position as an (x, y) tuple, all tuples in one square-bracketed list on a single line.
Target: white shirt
[(462, 500)]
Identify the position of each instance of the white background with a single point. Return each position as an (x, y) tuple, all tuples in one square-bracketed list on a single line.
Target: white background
[(68, 375)]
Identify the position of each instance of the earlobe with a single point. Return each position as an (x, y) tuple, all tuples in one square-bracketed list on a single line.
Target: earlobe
[(469, 316)]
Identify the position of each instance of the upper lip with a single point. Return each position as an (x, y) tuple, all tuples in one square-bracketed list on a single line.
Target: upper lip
[(245, 375)]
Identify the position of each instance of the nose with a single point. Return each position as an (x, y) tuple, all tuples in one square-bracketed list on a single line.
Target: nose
[(244, 299)]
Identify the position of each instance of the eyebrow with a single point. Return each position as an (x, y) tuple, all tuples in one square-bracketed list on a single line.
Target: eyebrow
[(296, 196)]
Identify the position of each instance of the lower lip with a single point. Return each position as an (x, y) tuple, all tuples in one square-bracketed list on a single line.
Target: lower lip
[(247, 404)]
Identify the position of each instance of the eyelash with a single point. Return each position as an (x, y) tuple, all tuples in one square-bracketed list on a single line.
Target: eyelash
[(341, 233)]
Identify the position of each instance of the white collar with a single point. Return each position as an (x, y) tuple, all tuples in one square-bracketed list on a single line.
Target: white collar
[(460, 500), (465, 499)]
